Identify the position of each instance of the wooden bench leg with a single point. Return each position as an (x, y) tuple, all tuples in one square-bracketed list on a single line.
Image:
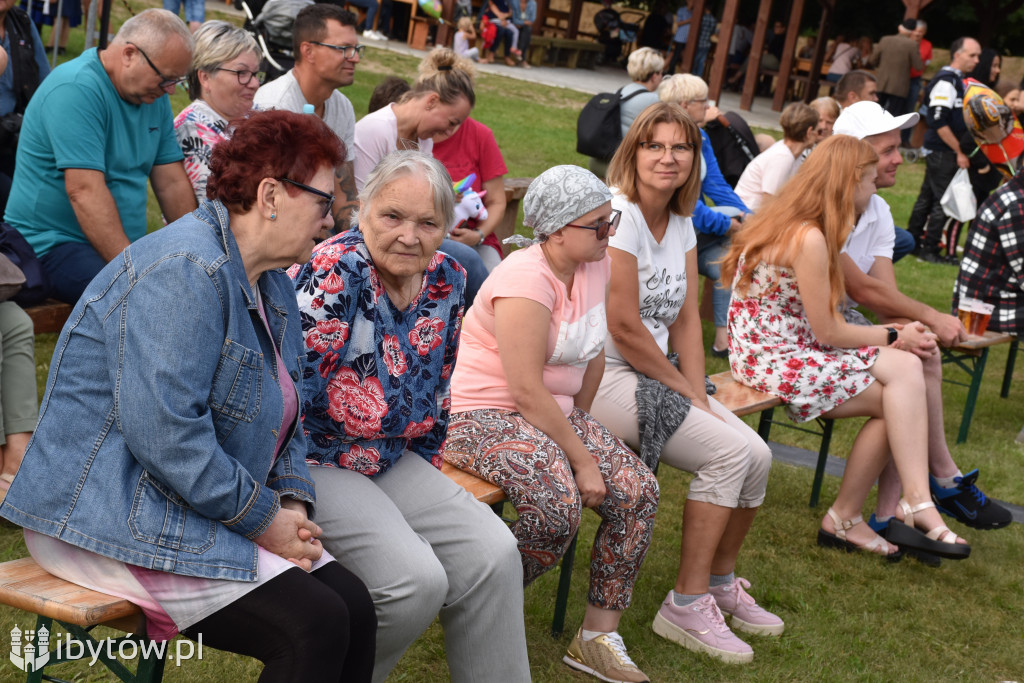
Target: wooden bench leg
[(764, 426), (819, 470), (1011, 359), (562, 598), (972, 395)]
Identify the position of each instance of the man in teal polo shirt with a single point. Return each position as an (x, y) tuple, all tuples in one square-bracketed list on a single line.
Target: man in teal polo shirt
[(95, 130)]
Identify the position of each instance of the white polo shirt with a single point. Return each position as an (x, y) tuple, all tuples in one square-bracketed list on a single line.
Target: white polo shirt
[(873, 236)]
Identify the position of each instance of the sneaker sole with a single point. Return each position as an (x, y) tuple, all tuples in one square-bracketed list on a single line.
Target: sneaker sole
[(757, 629), (669, 631), (580, 666), (972, 523)]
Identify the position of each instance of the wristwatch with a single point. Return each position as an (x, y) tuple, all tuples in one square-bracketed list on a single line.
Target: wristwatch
[(482, 238), (894, 334)]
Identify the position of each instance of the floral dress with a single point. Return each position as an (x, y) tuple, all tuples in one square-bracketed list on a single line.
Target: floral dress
[(376, 381), (772, 348), (198, 129)]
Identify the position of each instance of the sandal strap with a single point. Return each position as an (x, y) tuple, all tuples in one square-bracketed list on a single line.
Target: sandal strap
[(909, 510), (841, 525), (941, 533), (878, 545)]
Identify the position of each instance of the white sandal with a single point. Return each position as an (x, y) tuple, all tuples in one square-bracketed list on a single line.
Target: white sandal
[(939, 541), (876, 545)]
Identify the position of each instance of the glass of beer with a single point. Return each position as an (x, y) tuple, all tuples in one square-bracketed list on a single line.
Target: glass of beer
[(965, 311), (980, 316)]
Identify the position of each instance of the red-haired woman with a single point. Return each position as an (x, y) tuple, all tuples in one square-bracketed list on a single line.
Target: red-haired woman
[(168, 467), (788, 338)]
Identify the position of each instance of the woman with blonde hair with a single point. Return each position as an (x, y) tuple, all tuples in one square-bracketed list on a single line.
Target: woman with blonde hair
[(788, 338), (440, 100), (715, 224), (828, 111), (658, 404), (222, 82), (644, 68)]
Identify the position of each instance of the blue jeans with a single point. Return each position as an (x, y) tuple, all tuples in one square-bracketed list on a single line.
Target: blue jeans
[(371, 7), (700, 55), (476, 271), (195, 10), (710, 250), (905, 244), (70, 267)]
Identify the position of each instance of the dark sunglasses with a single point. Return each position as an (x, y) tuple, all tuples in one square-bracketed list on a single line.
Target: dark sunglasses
[(602, 228), (313, 190)]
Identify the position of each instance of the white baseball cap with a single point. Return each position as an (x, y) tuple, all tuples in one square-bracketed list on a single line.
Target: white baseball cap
[(862, 119)]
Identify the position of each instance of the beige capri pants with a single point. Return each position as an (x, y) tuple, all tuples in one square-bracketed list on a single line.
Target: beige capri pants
[(729, 461)]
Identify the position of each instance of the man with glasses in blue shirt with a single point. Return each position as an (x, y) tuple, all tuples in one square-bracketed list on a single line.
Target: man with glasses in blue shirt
[(96, 129), (327, 50)]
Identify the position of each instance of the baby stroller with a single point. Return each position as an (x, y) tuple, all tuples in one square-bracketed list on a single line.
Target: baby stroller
[(270, 22)]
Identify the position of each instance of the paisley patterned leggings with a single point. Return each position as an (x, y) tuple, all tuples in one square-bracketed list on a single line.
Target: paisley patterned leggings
[(506, 450)]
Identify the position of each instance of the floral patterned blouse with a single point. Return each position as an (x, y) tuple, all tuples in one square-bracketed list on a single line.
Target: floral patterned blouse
[(376, 381), (198, 128), (772, 348)]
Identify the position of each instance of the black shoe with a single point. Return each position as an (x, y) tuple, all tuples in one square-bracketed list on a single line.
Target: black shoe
[(952, 260), (927, 559), (968, 504), (719, 353)]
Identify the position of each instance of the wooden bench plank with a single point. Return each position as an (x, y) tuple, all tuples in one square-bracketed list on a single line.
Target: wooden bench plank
[(49, 316), (515, 190), (27, 586), (739, 398), (482, 490), (990, 338)]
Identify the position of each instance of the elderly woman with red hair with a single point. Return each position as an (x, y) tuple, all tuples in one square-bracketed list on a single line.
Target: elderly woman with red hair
[(168, 467)]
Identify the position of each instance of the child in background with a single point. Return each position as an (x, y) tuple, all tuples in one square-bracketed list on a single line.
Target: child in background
[(463, 36), (488, 32), (523, 19)]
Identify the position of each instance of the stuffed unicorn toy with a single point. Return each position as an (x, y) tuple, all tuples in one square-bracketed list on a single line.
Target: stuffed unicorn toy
[(471, 206)]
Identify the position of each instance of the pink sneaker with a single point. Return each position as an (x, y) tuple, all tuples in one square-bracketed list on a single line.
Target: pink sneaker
[(747, 616), (701, 627)]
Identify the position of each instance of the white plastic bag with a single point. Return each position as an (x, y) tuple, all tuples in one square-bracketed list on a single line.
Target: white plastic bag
[(958, 200)]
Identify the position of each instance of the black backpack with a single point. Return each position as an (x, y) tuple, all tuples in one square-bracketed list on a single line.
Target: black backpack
[(733, 144), (599, 128)]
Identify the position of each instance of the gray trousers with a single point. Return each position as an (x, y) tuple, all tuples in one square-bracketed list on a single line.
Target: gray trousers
[(19, 404), (424, 546)]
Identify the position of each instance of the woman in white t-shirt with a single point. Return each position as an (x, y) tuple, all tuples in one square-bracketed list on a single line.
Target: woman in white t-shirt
[(530, 359), (658, 403)]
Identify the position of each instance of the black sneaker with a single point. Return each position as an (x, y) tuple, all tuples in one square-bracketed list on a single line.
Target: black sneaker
[(968, 504), (933, 256)]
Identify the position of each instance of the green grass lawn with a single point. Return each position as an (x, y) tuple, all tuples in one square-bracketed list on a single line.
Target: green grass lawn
[(849, 617)]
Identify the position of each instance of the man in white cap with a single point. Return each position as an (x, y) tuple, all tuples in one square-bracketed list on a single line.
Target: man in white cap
[(871, 282)]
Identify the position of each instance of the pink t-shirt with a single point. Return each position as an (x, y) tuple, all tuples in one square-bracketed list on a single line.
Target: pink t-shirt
[(576, 335)]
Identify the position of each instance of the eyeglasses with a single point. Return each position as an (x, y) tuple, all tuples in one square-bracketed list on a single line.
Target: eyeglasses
[(602, 228), (679, 150), (347, 51), (313, 190), (244, 75), (165, 81)]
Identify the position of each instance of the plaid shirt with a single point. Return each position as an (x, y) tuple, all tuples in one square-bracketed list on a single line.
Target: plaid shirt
[(992, 268), (708, 24)]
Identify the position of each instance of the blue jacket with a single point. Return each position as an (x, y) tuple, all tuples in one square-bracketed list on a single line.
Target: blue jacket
[(156, 436), (714, 187)]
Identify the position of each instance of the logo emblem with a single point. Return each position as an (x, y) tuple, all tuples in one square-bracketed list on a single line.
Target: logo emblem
[(30, 650)]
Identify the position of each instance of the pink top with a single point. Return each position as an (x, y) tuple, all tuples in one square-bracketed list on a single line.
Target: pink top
[(576, 334)]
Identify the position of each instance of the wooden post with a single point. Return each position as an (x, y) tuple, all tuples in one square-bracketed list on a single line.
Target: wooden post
[(754, 60), (818, 58), (914, 8), (575, 12), (446, 28), (542, 11), (691, 42), (788, 55), (720, 62)]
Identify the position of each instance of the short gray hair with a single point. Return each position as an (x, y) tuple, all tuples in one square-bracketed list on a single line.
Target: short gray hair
[(682, 88), (406, 162), (150, 29), (644, 63), (216, 43), (922, 24)]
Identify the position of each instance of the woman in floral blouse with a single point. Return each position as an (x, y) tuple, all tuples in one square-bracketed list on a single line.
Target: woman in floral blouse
[(381, 312), (788, 338), (221, 84)]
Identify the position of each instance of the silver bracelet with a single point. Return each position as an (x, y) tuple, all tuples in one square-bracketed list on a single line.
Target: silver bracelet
[(482, 237)]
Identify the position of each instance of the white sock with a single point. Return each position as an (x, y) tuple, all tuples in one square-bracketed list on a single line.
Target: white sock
[(590, 635), (947, 482)]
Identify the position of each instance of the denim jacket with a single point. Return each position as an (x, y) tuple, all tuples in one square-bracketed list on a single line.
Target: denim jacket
[(156, 436)]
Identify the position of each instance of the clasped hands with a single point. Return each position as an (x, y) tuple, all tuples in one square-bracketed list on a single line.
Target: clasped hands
[(292, 535)]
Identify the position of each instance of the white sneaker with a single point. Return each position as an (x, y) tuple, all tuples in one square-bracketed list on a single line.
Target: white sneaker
[(373, 35)]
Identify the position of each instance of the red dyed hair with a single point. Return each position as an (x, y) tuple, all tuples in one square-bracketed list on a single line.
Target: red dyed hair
[(270, 144)]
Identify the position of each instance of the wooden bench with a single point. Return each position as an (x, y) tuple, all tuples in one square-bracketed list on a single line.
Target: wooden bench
[(515, 190), (563, 52), (971, 357), (27, 586), (49, 316)]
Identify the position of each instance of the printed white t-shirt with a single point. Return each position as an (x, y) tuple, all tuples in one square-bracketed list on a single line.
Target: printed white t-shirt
[(661, 268)]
